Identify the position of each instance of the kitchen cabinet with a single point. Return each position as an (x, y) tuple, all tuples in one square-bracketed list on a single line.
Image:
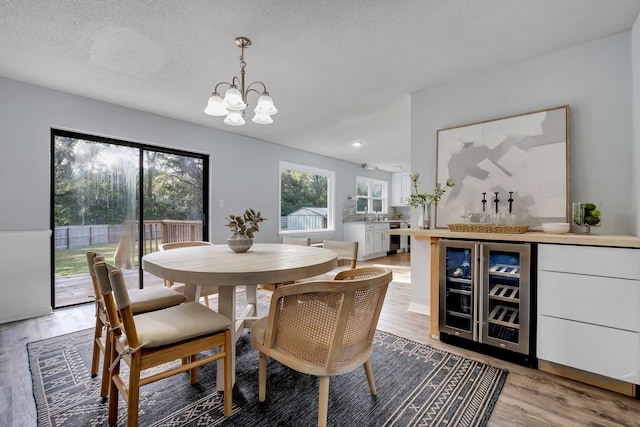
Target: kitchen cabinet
[(373, 242), (606, 257), (400, 189), (588, 316)]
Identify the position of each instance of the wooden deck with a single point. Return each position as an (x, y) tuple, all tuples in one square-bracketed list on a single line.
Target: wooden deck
[(77, 288)]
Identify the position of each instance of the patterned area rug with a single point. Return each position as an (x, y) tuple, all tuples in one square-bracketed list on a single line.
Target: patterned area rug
[(417, 386)]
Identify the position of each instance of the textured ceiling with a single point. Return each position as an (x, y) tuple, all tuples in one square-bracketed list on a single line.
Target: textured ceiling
[(338, 71)]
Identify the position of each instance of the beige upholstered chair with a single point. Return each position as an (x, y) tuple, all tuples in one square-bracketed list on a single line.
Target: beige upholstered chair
[(174, 245), (142, 300), (293, 240), (148, 343), (287, 240), (347, 253), (206, 290), (322, 328)]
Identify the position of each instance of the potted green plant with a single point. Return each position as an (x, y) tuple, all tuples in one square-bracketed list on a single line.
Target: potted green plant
[(244, 228), (425, 200)]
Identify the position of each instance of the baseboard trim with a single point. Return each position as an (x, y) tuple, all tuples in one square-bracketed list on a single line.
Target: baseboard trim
[(419, 308), (27, 315), (628, 389)]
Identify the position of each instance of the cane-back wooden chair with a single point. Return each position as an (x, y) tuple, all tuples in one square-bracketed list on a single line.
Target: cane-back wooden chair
[(322, 328)]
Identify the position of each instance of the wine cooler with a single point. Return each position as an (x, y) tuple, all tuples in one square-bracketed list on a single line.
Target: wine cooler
[(485, 298)]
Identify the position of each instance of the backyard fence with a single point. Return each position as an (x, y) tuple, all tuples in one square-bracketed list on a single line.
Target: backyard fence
[(155, 233), (79, 236)]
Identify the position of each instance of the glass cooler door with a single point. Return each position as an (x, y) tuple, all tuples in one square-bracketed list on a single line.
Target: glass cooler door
[(457, 289), (505, 311)]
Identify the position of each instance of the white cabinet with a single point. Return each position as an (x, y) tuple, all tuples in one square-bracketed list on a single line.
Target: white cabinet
[(372, 241), (588, 316), (369, 241), (400, 189)]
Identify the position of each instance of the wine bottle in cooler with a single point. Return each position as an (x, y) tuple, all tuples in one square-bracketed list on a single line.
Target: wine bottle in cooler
[(466, 265)]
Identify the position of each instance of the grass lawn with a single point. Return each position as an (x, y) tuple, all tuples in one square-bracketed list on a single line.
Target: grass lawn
[(74, 261)]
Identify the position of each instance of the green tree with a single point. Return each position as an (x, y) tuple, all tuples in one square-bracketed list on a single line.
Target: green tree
[(176, 190), (98, 183), (301, 189)]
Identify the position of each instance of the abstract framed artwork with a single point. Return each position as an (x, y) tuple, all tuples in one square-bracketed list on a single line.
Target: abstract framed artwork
[(523, 157)]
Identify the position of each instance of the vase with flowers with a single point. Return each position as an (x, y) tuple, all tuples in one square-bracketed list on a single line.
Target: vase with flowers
[(424, 201), (244, 228)]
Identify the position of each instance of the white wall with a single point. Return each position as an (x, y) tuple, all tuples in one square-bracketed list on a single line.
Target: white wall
[(594, 78), (244, 173)]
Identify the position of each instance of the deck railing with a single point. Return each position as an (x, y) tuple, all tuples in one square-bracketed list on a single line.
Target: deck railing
[(154, 234)]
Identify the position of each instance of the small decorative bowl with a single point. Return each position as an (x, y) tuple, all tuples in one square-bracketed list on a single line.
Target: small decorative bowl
[(556, 227)]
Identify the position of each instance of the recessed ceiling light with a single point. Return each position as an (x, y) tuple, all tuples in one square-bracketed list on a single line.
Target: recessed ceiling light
[(357, 143)]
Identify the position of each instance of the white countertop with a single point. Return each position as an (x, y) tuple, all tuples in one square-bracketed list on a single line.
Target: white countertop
[(622, 241), (406, 221)]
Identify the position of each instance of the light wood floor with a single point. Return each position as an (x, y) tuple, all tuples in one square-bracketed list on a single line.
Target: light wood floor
[(529, 398)]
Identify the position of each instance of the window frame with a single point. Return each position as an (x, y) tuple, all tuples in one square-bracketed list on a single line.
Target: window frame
[(385, 195), (331, 180), (141, 148)]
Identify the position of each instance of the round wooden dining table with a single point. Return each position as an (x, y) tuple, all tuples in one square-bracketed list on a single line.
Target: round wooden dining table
[(217, 265)]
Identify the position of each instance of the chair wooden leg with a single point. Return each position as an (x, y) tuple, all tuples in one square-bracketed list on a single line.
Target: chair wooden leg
[(193, 373), (262, 377), (95, 358), (134, 391), (113, 390), (323, 401), (369, 372), (106, 375), (228, 384)]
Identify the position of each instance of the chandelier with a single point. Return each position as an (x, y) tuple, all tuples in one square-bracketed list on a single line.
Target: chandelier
[(234, 104)]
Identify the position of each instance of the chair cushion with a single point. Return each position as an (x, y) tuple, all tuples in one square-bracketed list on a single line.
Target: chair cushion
[(178, 323), (259, 330), (154, 298), (204, 291), (322, 277)]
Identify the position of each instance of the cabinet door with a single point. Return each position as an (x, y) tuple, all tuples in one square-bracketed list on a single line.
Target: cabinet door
[(505, 302), (604, 301), (369, 242), (400, 189), (611, 352), (386, 244), (385, 238), (595, 261), (458, 298), (377, 241)]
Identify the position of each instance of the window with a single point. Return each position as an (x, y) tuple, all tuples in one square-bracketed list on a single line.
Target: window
[(371, 195), (306, 198)]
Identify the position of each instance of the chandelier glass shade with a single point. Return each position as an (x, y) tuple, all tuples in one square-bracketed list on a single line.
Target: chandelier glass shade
[(234, 103)]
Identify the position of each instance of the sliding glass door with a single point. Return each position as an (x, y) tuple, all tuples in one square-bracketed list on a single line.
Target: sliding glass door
[(122, 200)]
